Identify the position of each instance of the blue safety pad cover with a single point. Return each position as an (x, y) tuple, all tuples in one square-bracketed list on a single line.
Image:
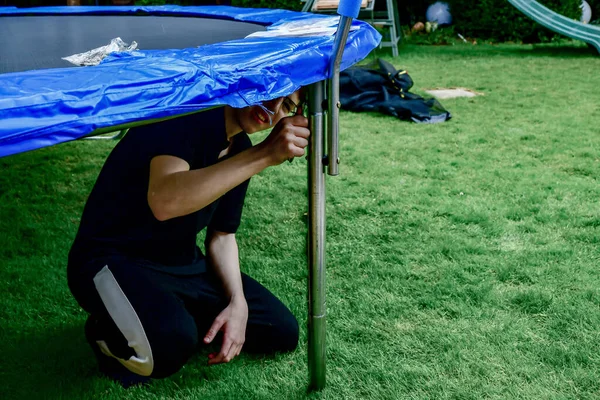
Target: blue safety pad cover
[(45, 107)]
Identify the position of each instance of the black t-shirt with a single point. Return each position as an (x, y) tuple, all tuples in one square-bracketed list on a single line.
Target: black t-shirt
[(117, 219)]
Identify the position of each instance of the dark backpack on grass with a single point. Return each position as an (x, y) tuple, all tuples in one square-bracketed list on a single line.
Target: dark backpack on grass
[(380, 87)]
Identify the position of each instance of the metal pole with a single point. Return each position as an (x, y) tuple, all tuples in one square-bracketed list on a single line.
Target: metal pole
[(333, 95), (348, 9), (316, 240)]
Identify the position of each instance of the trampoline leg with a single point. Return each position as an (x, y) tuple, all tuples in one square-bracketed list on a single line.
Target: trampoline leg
[(316, 240), (316, 187)]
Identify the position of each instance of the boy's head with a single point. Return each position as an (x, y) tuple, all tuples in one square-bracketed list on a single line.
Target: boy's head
[(260, 117)]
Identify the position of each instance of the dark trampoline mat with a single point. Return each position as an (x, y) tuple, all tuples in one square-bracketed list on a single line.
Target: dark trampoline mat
[(37, 42)]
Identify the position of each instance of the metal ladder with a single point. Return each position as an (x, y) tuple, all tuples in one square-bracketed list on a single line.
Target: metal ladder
[(387, 19)]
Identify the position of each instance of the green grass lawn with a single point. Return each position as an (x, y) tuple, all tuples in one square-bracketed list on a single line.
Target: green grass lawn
[(462, 257)]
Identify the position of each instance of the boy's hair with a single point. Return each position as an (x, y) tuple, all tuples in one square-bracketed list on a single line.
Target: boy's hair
[(302, 94)]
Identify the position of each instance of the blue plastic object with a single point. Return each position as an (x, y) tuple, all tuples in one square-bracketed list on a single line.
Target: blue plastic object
[(45, 107), (439, 12), (349, 8), (586, 12)]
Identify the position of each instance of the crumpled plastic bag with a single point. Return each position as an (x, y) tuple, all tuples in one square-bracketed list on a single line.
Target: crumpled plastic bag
[(95, 56)]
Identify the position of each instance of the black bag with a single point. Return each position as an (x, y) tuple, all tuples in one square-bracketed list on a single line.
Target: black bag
[(380, 87)]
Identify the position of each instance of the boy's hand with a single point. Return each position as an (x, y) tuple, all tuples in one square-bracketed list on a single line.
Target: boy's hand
[(288, 139), (232, 321)]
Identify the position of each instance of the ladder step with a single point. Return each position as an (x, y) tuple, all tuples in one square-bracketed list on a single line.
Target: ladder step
[(381, 23), (333, 4)]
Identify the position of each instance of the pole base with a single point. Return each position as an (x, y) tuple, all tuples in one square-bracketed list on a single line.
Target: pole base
[(316, 352)]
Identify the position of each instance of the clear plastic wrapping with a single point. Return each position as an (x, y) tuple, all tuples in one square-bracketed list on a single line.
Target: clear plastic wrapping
[(95, 56)]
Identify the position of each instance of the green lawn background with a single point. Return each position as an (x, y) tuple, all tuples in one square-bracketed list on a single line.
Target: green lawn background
[(462, 257)]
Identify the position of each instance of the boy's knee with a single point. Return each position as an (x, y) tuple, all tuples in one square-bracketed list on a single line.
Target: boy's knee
[(171, 350), (290, 332), (164, 355), (281, 336)]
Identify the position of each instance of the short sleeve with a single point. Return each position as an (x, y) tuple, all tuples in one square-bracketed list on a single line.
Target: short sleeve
[(187, 137), (168, 138)]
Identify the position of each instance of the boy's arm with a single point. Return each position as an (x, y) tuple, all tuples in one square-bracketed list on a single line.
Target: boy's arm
[(222, 254), (174, 190)]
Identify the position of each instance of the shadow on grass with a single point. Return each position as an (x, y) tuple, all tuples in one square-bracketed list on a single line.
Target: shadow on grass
[(58, 364), (49, 365)]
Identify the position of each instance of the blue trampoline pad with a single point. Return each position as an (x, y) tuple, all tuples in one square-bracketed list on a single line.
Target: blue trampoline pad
[(189, 59)]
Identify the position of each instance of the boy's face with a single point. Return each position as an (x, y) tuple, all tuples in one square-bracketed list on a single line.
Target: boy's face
[(255, 119)]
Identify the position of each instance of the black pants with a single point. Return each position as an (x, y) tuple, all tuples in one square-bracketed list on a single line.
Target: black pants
[(153, 321)]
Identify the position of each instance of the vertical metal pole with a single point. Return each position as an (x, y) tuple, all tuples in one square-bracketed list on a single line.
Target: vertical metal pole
[(348, 9), (333, 95), (316, 240)]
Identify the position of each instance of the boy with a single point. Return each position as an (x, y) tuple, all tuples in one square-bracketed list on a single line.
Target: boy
[(134, 265)]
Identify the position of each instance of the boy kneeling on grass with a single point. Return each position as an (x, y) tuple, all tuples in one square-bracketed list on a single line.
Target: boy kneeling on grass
[(152, 295)]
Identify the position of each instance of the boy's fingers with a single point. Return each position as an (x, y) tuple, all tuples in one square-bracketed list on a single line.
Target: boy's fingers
[(216, 359), (302, 132), (299, 120), (232, 353), (212, 332), (225, 355), (301, 142)]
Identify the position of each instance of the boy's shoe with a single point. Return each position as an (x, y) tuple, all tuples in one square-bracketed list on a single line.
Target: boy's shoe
[(110, 366)]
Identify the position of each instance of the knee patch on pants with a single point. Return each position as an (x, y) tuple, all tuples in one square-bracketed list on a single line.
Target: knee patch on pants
[(128, 322)]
